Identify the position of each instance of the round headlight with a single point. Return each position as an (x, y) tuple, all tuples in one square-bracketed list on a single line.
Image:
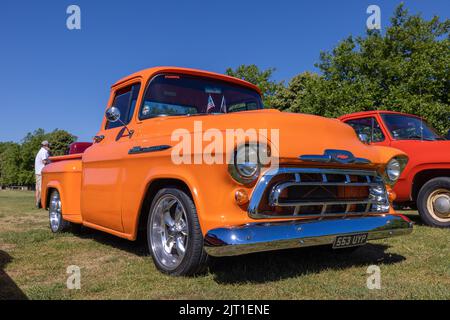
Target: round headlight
[(393, 170), (247, 163), (246, 166)]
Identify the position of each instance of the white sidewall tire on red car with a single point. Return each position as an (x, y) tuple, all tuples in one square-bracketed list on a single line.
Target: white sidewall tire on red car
[(433, 202)]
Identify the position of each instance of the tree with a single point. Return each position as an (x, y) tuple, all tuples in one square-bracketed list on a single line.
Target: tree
[(10, 165), (5, 146), (305, 90), (260, 78), (407, 69), (17, 160), (59, 141)]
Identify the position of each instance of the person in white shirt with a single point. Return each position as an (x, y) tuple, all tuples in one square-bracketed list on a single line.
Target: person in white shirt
[(42, 159)]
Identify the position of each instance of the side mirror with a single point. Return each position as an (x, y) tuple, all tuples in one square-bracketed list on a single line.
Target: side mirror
[(364, 138), (112, 114)]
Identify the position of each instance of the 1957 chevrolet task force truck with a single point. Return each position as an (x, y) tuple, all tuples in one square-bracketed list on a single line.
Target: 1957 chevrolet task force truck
[(301, 181)]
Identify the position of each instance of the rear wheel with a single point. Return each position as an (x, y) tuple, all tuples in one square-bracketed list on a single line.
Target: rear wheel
[(174, 236), (433, 202), (57, 222)]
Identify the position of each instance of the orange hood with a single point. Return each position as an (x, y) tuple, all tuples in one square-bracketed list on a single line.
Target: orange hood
[(299, 134)]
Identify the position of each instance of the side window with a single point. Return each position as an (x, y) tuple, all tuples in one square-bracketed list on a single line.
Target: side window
[(368, 126), (125, 100)]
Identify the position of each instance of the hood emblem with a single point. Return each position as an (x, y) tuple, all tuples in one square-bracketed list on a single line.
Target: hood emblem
[(335, 156)]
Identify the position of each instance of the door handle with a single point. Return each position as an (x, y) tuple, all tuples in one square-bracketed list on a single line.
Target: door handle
[(99, 138)]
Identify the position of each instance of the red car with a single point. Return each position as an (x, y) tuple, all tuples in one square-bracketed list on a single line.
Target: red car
[(425, 182)]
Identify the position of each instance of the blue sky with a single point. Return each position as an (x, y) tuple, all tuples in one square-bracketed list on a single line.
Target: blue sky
[(51, 77)]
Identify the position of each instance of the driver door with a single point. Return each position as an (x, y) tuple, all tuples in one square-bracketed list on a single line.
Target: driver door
[(102, 181)]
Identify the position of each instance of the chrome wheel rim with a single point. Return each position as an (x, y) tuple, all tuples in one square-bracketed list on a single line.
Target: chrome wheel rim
[(169, 231), (55, 211), (438, 204)]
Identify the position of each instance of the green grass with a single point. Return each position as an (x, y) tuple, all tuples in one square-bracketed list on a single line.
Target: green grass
[(33, 265)]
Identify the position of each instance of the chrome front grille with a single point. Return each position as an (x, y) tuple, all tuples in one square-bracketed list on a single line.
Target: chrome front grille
[(290, 192)]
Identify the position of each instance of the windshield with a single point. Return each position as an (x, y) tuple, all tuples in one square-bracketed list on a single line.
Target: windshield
[(188, 95), (409, 128)]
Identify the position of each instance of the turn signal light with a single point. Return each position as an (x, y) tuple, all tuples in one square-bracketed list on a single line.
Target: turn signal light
[(241, 197), (391, 194)]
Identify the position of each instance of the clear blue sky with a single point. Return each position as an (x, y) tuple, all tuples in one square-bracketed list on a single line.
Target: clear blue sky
[(51, 77)]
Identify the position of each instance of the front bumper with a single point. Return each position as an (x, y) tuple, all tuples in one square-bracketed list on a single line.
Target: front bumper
[(258, 237)]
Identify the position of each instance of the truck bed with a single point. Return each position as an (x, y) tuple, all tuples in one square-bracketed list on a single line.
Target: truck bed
[(64, 175)]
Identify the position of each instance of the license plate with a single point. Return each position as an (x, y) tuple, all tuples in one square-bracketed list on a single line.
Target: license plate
[(352, 240)]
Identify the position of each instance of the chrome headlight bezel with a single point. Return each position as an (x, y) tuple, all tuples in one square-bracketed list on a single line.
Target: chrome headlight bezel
[(247, 171), (394, 169)]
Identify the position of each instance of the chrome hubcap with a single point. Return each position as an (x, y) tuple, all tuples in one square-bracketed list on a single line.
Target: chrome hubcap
[(55, 211), (169, 231), (442, 204), (439, 204)]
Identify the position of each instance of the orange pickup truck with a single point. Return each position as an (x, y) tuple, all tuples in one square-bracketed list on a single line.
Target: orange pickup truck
[(193, 160)]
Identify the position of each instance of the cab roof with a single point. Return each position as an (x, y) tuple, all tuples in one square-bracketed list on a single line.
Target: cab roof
[(146, 74), (368, 113)]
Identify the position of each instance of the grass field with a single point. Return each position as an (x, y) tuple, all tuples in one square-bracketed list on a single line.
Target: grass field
[(33, 265)]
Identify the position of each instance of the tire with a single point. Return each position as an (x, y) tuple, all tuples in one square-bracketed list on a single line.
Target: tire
[(174, 237), (56, 220), (433, 202)]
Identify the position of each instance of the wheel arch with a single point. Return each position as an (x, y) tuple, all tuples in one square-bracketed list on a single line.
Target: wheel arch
[(150, 191), (423, 176), (50, 187)]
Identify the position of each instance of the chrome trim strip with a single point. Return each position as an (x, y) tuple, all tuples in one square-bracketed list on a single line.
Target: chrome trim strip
[(139, 149), (315, 158), (265, 180), (258, 237)]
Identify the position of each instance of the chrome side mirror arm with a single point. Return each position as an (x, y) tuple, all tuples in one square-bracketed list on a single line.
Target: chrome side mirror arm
[(112, 114)]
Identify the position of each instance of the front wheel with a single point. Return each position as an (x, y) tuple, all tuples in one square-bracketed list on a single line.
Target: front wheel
[(433, 202), (57, 222), (174, 236)]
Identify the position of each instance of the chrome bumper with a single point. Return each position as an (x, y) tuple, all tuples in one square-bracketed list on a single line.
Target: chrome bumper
[(257, 237)]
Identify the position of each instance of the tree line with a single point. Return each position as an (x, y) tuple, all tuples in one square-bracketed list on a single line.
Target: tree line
[(17, 159), (406, 69)]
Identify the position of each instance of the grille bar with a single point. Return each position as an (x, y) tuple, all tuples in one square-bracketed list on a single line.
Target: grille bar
[(272, 193), (321, 203), (353, 184)]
